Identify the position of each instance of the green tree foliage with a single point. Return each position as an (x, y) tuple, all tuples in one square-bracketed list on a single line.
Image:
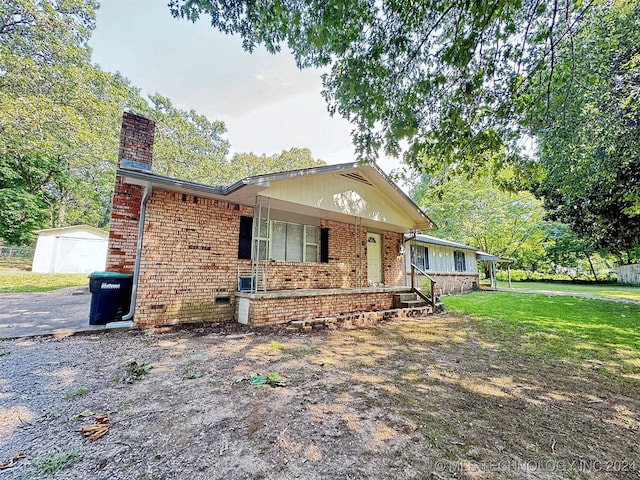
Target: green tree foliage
[(60, 122), (249, 164), (440, 76), (574, 253), (187, 145), (477, 213), (58, 117), (589, 131), (461, 86)]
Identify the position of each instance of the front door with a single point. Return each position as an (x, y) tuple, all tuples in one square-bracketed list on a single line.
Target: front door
[(374, 258)]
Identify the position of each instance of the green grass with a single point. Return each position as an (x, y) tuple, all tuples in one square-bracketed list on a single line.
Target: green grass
[(605, 291), (16, 281), (76, 393), (53, 463), (607, 333)]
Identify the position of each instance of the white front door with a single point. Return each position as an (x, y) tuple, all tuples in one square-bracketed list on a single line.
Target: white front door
[(374, 258)]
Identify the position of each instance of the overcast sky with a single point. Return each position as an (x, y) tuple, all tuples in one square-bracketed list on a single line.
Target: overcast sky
[(267, 104)]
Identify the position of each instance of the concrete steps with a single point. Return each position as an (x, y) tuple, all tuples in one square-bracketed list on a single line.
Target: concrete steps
[(408, 300)]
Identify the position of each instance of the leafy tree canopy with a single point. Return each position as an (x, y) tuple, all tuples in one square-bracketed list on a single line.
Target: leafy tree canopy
[(460, 87), (590, 144), (60, 121), (440, 77), (249, 164), (187, 145), (477, 213)]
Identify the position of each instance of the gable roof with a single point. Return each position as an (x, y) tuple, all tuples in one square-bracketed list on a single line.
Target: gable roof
[(335, 192)]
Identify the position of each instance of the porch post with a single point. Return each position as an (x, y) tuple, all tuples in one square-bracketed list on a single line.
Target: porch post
[(494, 275)]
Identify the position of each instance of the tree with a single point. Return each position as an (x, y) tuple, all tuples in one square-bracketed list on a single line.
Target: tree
[(60, 122), (477, 213), (249, 164), (442, 77), (465, 85), (567, 251), (52, 114), (187, 145), (589, 132)]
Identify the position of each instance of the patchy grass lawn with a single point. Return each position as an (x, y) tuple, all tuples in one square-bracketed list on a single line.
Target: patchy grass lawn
[(605, 291), (600, 333), (19, 281), (498, 395)]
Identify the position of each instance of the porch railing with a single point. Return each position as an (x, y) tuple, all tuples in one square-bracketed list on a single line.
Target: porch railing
[(423, 285)]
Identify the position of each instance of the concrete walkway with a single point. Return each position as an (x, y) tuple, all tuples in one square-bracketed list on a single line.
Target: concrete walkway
[(59, 312), (568, 294)]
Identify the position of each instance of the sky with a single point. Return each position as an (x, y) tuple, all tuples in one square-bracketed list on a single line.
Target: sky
[(267, 104)]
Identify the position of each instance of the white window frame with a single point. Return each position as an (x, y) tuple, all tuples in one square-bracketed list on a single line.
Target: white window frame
[(307, 241), (456, 254), (425, 266)]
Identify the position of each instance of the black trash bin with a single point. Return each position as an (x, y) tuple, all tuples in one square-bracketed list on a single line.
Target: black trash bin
[(110, 296)]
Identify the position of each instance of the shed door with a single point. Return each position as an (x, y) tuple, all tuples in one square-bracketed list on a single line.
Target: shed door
[(374, 258)]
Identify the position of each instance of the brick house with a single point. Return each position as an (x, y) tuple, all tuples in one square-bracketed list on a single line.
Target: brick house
[(268, 249)]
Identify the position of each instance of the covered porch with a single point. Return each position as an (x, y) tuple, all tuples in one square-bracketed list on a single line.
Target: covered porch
[(336, 306)]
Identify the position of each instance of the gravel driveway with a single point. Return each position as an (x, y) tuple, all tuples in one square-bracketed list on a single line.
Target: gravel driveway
[(55, 312)]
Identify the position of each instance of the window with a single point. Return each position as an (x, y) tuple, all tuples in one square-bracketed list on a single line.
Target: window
[(459, 261), (292, 242), (310, 243), (284, 241), (422, 257), (261, 242)]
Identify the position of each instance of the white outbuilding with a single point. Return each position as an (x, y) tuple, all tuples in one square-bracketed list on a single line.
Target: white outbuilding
[(77, 249)]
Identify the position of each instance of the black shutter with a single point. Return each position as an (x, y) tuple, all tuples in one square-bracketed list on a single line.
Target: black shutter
[(244, 244), (324, 245)]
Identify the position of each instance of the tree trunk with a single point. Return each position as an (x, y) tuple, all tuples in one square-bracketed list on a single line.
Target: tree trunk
[(592, 269), (62, 213)]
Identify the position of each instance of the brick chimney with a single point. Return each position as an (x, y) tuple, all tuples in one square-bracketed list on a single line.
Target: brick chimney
[(136, 144)]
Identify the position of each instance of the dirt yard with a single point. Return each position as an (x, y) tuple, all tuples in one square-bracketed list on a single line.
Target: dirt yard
[(432, 398)]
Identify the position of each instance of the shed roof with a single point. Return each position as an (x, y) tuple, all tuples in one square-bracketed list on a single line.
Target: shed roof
[(73, 228)]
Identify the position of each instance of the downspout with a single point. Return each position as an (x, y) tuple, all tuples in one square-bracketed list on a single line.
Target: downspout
[(136, 268)]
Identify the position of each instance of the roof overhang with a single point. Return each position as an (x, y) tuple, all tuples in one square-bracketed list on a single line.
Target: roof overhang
[(487, 257), (440, 241), (287, 192)]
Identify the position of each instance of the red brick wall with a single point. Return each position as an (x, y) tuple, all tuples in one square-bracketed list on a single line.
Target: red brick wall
[(282, 310), (136, 138), (392, 259), (136, 143), (189, 256)]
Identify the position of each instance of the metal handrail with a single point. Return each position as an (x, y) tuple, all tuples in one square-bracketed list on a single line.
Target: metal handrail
[(431, 300)]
